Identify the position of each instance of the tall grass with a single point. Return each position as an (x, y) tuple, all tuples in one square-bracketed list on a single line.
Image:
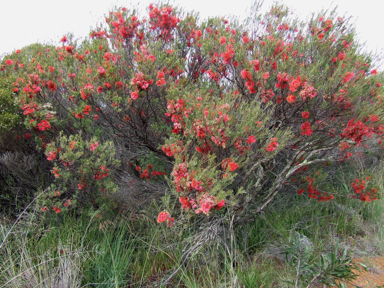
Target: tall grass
[(134, 251)]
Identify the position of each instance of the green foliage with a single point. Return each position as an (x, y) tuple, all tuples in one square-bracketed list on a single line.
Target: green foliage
[(327, 268), (11, 116), (85, 178)]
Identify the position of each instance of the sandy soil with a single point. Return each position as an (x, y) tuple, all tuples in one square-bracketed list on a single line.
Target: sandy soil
[(374, 275)]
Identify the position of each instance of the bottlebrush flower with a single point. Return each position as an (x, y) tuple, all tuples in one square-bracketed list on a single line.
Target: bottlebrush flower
[(291, 98), (44, 125), (348, 77), (164, 216), (273, 145), (219, 205), (306, 129), (251, 139), (233, 166), (72, 144), (93, 146), (134, 95), (51, 155)]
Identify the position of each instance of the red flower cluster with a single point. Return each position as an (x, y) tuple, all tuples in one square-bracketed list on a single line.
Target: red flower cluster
[(141, 83), (306, 129), (29, 109), (164, 216), (87, 91), (44, 125), (249, 83), (51, 155), (102, 173), (163, 20), (348, 76), (273, 145), (93, 146), (160, 76), (305, 114), (356, 131), (359, 187), (228, 163), (291, 98)]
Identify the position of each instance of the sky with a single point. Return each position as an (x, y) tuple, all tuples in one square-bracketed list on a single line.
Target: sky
[(46, 21)]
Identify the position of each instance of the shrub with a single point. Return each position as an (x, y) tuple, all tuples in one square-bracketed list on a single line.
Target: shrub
[(236, 113)]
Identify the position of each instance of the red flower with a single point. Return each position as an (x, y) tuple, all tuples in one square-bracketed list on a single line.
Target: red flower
[(184, 203), (64, 39), (9, 62), (51, 86), (93, 146), (251, 139), (161, 82), (219, 205), (222, 40), (44, 125), (266, 75), (134, 95), (87, 109), (295, 83), (291, 98), (72, 144), (69, 49), (233, 166), (51, 155), (245, 39), (306, 129), (108, 85), (374, 72), (273, 145), (348, 77), (305, 114), (101, 71), (165, 216)]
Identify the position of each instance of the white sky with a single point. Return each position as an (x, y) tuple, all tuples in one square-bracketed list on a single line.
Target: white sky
[(25, 22)]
